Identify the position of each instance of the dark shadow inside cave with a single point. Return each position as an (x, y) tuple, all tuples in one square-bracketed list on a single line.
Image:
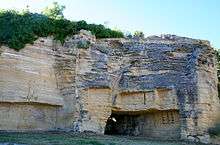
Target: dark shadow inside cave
[(156, 123), (122, 124)]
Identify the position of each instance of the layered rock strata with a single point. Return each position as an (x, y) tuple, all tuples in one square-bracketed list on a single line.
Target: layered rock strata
[(159, 86)]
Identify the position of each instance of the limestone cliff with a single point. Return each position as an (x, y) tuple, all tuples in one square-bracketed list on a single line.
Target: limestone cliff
[(158, 86)]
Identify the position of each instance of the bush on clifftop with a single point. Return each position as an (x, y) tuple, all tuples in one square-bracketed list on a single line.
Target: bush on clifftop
[(18, 29)]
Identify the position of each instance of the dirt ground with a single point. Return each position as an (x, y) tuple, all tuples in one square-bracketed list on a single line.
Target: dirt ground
[(68, 138)]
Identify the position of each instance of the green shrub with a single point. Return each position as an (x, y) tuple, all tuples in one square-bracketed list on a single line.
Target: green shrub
[(18, 29)]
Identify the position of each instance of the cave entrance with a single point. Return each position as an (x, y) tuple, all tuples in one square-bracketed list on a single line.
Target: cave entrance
[(121, 124), (158, 124)]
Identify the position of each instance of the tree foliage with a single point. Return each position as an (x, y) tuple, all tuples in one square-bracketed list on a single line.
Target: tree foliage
[(54, 11), (18, 29)]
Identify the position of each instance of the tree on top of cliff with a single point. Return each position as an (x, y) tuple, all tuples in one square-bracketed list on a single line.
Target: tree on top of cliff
[(54, 11)]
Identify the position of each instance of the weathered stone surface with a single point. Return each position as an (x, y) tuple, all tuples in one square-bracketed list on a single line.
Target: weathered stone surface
[(166, 86)]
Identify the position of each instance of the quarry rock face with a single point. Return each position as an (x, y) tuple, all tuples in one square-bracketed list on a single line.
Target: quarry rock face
[(162, 87)]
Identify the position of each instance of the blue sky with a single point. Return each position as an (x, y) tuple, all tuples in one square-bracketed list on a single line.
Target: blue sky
[(190, 18)]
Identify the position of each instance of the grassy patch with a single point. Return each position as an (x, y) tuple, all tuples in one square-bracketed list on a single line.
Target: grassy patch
[(46, 139), (63, 138)]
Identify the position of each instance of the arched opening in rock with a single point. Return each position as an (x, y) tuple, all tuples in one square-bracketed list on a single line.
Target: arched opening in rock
[(158, 124)]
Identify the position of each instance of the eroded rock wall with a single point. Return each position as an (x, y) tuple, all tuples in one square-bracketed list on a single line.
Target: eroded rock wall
[(76, 86), (37, 87)]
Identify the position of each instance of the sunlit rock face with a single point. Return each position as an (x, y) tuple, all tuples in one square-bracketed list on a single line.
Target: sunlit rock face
[(162, 87)]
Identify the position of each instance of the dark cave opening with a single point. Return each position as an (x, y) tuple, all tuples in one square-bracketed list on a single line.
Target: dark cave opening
[(122, 124), (157, 124)]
